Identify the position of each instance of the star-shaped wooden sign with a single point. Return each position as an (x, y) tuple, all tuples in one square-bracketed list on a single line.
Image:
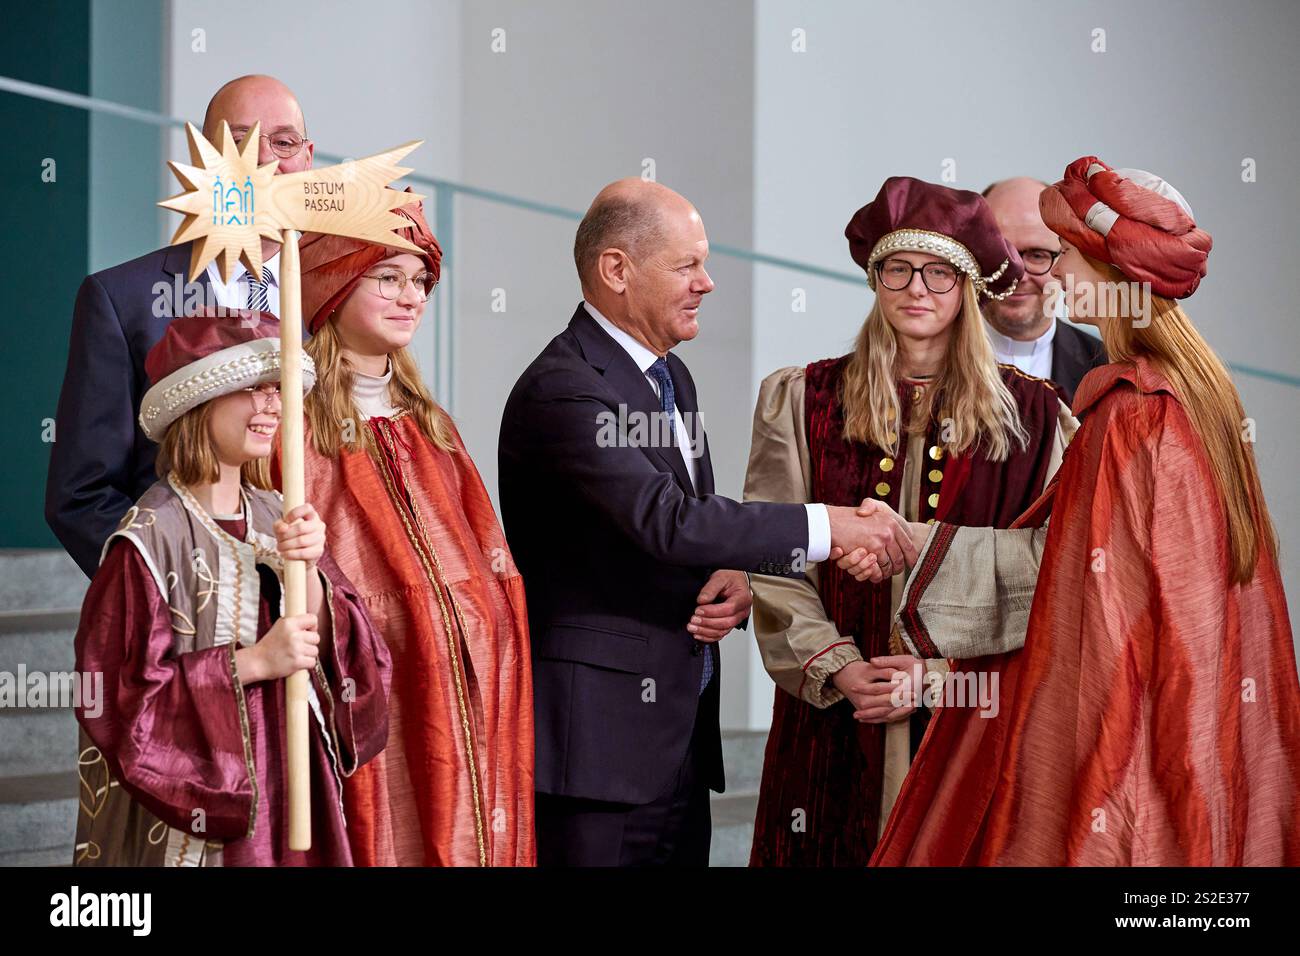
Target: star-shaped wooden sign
[(231, 204)]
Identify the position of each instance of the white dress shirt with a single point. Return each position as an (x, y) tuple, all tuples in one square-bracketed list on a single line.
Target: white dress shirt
[(234, 294), (819, 521), (1033, 357)]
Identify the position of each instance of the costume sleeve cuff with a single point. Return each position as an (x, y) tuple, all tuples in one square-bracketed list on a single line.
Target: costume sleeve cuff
[(817, 689)]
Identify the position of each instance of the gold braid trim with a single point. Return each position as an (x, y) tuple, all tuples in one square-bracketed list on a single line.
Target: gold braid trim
[(419, 540)]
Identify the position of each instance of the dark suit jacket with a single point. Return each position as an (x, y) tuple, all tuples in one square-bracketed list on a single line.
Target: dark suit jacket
[(614, 545), (1074, 354), (101, 461)]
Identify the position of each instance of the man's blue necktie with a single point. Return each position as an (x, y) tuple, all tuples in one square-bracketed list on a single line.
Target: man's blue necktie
[(659, 372)]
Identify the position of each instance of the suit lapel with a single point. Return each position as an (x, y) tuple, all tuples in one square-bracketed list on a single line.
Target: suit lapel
[(689, 404), (176, 262), (631, 386)]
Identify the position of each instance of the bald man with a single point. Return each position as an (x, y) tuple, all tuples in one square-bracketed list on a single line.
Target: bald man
[(1023, 327), (101, 462), (631, 563)]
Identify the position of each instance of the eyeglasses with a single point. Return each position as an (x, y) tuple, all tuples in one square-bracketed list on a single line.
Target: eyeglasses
[(392, 283), (896, 275), (1039, 262), (285, 143), (263, 396)]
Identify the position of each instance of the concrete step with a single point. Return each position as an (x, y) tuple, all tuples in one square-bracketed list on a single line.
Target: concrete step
[(37, 740), (742, 757), (733, 811), (733, 828), (39, 578), (40, 600), (38, 819)]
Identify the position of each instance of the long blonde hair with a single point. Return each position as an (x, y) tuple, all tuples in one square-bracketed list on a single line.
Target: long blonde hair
[(329, 406), (982, 411), (1204, 388)]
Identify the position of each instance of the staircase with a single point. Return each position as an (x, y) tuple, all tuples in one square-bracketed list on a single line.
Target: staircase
[(40, 602), (733, 811)]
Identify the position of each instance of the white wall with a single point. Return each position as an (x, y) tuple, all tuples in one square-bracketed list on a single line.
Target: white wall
[(583, 93)]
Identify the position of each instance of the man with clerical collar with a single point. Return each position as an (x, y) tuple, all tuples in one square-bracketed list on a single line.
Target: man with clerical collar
[(1024, 327)]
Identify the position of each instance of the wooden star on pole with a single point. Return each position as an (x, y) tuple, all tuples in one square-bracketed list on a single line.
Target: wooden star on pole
[(231, 204)]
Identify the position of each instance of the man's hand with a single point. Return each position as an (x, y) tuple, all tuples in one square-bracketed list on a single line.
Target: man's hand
[(714, 621), (870, 688), (876, 534), (865, 564)]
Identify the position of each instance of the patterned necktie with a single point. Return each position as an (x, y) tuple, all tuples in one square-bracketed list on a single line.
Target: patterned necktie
[(659, 372), (257, 300)]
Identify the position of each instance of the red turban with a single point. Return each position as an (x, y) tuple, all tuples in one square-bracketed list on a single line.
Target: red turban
[(1133, 220), (333, 265)]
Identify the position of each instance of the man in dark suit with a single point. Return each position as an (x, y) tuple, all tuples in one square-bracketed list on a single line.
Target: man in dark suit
[(1023, 327), (101, 461), (632, 565)]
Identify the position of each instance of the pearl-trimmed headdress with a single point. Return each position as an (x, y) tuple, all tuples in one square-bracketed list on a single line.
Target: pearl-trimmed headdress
[(937, 244), (222, 372)]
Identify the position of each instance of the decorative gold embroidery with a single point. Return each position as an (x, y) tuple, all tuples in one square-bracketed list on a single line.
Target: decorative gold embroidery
[(199, 564), (248, 738), (181, 621), (420, 540), (128, 520), (91, 761)]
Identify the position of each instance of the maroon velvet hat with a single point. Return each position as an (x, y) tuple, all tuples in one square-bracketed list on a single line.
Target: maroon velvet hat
[(909, 215), (202, 357)]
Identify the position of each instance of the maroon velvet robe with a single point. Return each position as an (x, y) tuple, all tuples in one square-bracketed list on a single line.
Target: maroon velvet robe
[(172, 734), (823, 762)]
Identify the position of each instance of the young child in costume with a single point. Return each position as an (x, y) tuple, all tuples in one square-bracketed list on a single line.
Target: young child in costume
[(184, 764)]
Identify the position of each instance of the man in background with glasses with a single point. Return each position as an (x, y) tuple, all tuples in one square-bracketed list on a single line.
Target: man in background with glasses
[(1024, 327), (101, 462)]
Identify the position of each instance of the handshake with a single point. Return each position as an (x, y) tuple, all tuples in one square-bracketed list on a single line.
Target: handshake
[(874, 542)]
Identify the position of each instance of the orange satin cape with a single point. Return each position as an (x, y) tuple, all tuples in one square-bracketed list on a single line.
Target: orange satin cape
[(1153, 716), (415, 531)]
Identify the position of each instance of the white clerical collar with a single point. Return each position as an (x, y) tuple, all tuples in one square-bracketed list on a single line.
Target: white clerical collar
[(643, 357), (1003, 345)]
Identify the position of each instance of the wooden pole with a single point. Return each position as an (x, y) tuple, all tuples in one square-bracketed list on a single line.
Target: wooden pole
[(295, 572)]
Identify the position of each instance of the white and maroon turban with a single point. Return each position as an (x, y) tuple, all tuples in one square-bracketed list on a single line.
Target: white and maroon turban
[(1133, 220)]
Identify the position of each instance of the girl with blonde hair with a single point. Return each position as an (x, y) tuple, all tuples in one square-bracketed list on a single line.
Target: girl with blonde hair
[(414, 528), (920, 418)]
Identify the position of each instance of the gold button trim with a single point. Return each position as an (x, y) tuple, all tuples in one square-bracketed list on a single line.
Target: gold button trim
[(886, 464), (882, 488), (936, 475), (934, 500), (936, 452)]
